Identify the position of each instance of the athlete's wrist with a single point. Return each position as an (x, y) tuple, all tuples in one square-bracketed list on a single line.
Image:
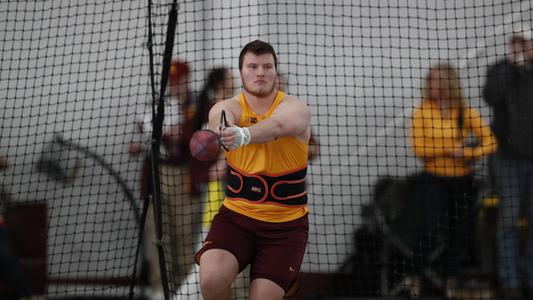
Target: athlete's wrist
[(242, 136)]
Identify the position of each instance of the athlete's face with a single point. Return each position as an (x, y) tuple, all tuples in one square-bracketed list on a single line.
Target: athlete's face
[(259, 74)]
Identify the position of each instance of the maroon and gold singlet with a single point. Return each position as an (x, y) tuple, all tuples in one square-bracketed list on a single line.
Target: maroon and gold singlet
[(267, 181)]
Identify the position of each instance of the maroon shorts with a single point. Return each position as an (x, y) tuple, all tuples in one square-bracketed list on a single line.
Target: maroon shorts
[(274, 250)]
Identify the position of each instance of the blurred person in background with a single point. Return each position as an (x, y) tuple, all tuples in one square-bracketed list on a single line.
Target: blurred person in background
[(509, 91), (209, 176), (442, 128), (180, 207)]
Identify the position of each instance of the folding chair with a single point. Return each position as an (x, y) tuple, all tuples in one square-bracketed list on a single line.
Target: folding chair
[(397, 216)]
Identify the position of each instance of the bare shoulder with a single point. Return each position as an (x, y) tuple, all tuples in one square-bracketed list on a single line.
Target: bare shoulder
[(293, 99), (296, 115), (294, 103), (231, 107)]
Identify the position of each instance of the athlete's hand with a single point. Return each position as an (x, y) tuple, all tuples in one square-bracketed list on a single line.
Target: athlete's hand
[(233, 137)]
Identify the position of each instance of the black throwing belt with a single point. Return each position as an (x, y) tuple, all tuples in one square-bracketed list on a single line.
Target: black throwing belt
[(288, 189)]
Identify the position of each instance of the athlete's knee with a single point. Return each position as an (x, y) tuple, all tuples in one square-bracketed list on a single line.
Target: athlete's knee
[(214, 285), (217, 272), (211, 286), (262, 288)]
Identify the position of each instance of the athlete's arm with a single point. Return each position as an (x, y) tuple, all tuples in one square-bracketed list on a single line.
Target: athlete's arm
[(290, 118), (232, 111)]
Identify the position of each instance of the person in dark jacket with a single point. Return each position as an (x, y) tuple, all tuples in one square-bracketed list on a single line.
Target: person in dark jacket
[(509, 92)]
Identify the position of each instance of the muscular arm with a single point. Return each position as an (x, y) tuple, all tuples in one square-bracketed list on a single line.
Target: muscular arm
[(232, 109), (291, 118)]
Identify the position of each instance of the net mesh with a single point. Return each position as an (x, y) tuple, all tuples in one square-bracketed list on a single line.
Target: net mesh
[(79, 82)]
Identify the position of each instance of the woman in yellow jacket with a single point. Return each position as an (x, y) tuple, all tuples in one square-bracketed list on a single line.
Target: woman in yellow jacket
[(442, 126)]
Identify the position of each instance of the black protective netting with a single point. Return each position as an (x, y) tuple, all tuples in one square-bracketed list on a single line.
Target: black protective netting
[(404, 193)]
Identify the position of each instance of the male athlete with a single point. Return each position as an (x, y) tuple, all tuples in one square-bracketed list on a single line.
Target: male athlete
[(263, 219)]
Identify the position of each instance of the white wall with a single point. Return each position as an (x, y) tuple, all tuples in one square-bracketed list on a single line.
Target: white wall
[(79, 71)]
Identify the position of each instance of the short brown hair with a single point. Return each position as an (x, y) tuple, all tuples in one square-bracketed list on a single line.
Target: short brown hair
[(257, 47)]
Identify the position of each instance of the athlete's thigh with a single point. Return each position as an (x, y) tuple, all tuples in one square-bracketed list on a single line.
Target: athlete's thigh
[(265, 289), (229, 231), (280, 252)]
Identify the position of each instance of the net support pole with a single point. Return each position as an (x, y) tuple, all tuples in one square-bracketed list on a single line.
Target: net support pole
[(158, 117)]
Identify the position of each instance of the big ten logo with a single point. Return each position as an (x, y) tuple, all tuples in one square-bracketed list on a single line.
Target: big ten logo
[(251, 119)]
